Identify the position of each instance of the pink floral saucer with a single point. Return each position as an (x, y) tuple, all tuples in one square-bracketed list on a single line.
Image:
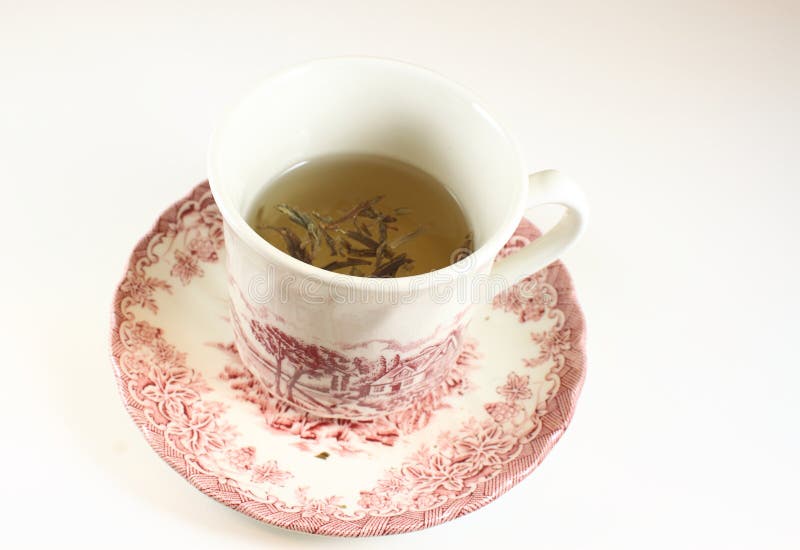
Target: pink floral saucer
[(506, 402)]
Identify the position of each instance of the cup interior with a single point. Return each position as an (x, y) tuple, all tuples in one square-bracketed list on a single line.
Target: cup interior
[(369, 106)]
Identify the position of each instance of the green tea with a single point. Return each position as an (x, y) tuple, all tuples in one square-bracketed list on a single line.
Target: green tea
[(363, 215)]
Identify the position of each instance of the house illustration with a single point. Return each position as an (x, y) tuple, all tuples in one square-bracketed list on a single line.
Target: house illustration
[(340, 382), (402, 376), (407, 373)]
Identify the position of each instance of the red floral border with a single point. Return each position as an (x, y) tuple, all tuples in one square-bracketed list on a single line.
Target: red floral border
[(556, 414)]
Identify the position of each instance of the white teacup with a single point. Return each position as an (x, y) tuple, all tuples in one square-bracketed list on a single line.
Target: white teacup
[(351, 347)]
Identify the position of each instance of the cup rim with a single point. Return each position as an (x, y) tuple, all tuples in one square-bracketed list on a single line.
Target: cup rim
[(237, 223)]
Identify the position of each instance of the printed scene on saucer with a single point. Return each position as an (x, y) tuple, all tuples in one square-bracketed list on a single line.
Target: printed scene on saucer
[(504, 404)]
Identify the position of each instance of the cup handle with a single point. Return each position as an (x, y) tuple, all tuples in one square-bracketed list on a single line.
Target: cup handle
[(547, 187)]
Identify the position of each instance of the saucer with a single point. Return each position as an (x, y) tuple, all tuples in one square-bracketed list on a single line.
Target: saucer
[(507, 400)]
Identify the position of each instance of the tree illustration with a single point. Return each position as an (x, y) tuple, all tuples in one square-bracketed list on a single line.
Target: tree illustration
[(277, 343), (316, 361)]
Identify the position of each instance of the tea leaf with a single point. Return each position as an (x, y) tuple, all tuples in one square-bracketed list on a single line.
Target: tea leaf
[(379, 252), (358, 209), (320, 217), (363, 239), (465, 250), (342, 246), (297, 217), (382, 251), (303, 220), (313, 232), (400, 241), (382, 230), (293, 245), (330, 242), (362, 227), (349, 262), (323, 455), (389, 269), (368, 213), (362, 252)]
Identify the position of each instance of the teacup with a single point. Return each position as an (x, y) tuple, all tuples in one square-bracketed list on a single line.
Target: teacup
[(352, 347)]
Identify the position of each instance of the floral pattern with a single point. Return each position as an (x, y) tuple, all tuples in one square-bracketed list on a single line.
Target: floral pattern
[(242, 459), (478, 451), (186, 267), (552, 345), (529, 305), (139, 289), (269, 473), (170, 394), (485, 427), (515, 389), (318, 509)]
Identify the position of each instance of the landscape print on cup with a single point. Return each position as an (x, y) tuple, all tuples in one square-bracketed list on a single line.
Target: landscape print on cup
[(339, 436), (369, 379)]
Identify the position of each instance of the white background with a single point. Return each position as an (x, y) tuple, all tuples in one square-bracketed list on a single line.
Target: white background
[(679, 119)]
